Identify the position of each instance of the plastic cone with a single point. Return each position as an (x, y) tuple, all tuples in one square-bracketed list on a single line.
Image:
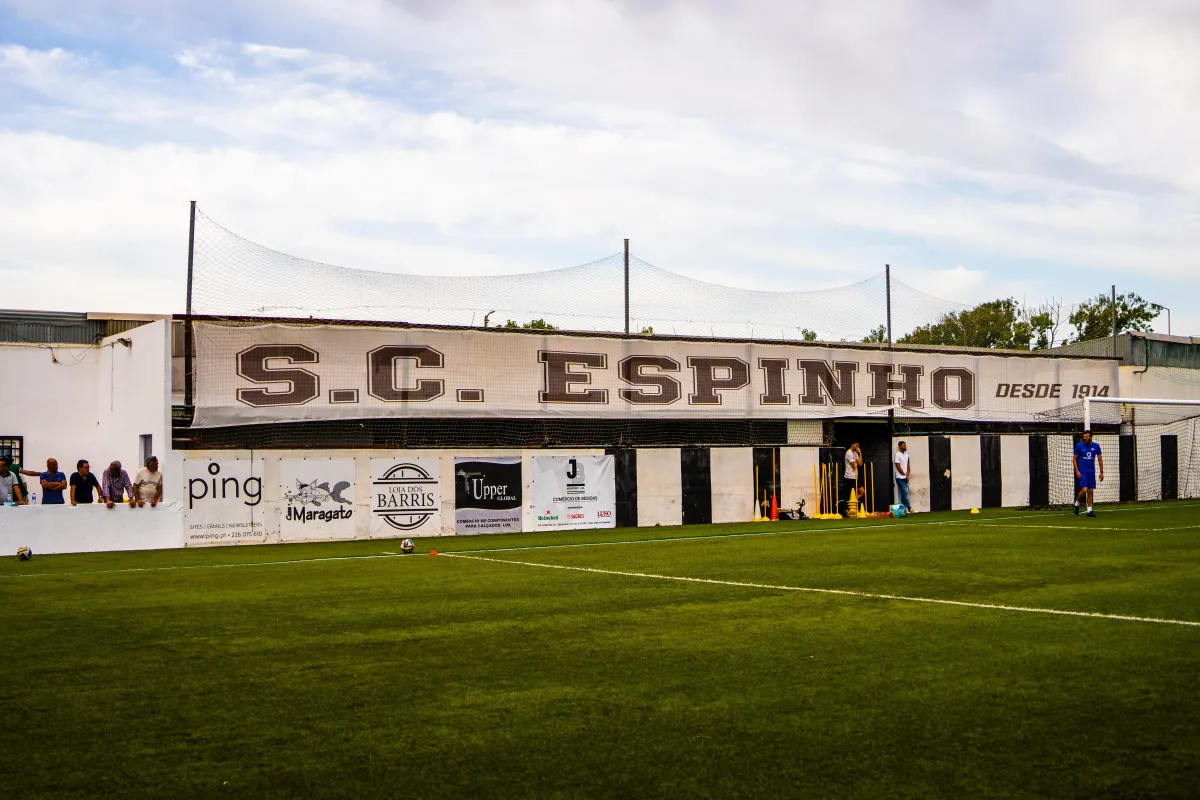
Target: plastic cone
[(774, 507)]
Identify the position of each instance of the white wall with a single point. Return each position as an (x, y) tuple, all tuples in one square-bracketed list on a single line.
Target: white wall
[(1014, 470), (796, 482), (660, 487), (49, 399), (90, 528), (918, 470), (966, 472), (732, 484), (133, 397)]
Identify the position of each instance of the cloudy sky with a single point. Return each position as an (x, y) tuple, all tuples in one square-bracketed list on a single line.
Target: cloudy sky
[(983, 149)]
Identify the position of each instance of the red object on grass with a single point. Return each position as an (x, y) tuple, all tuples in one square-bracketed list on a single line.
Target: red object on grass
[(433, 552), (774, 508)]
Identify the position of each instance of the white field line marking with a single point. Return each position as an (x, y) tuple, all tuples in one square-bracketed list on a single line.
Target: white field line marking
[(843, 592), (1086, 527), (1014, 522)]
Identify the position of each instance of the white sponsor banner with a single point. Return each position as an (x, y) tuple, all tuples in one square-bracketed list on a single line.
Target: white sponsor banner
[(574, 492), (280, 373), (223, 501), (406, 497), (316, 499), (487, 495)]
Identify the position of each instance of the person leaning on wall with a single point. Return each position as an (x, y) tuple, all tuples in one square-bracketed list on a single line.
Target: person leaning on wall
[(115, 483), (148, 484), (84, 483)]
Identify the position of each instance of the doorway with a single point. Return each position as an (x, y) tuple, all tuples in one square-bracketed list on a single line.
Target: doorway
[(875, 474)]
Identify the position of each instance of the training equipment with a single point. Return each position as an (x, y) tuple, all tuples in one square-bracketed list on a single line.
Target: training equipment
[(408, 546), (24, 554), (898, 510), (974, 510)]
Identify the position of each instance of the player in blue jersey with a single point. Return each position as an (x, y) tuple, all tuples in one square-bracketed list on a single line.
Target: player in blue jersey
[(1087, 455)]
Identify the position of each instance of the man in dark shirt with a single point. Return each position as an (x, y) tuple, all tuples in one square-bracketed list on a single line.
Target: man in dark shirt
[(82, 484), (53, 484)]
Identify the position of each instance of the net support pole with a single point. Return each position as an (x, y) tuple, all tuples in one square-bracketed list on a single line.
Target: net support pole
[(887, 284), (626, 287), (1114, 315), (187, 320)]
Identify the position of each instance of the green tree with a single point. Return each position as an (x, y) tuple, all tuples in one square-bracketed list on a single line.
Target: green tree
[(808, 335), (648, 330), (532, 325), (1093, 318), (998, 323), (876, 336)]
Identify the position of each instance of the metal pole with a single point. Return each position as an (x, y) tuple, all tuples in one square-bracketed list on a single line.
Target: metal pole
[(626, 287), (887, 281), (1114, 315), (187, 321)]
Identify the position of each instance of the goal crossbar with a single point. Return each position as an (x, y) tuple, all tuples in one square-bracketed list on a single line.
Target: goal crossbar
[(1087, 404)]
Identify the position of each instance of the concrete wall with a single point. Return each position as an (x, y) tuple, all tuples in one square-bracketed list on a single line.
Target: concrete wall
[(732, 473), (796, 477), (966, 472), (89, 529), (1014, 470), (918, 470), (660, 487)]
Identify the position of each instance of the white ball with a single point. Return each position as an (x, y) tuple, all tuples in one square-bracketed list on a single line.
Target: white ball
[(408, 546)]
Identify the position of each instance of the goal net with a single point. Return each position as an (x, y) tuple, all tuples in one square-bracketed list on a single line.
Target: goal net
[(1151, 449)]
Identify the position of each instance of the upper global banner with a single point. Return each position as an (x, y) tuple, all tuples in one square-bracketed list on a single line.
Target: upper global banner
[(285, 373)]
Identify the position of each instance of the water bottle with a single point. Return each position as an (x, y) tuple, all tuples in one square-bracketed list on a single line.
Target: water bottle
[(33, 498)]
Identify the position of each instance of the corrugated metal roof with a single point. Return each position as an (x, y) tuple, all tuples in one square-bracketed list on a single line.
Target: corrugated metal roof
[(58, 327)]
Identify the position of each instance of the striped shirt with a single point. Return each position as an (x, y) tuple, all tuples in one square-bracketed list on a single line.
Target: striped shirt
[(114, 487)]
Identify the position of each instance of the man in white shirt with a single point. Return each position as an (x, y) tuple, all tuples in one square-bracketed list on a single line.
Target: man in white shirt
[(148, 484), (854, 457), (900, 466)]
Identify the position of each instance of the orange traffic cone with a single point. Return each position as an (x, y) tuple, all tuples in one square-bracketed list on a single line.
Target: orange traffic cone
[(774, 507)]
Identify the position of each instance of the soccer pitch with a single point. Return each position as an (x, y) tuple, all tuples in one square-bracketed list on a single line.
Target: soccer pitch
[(753, 660)]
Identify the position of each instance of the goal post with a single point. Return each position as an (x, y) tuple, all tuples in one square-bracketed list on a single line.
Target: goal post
[(1151, 449)]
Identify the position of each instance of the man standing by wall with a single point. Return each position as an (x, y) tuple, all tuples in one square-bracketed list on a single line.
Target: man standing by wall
[(10, 487), (53, 484), (854, 457), (900, 466), (148, 484), (115, 484)]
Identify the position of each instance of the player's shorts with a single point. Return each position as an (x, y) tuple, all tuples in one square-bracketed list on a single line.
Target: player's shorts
[(1088, 481)]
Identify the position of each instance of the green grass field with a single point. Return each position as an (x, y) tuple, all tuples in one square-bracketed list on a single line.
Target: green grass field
[(337, 670)]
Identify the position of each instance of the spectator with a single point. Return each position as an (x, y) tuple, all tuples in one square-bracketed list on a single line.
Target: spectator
[(83, 481), (114, 484), (53, 484), (900, 466), (17, 470), (148, 484), (10, 484)]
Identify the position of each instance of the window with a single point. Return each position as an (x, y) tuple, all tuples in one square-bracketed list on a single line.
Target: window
[(146, 442), (13, 446)]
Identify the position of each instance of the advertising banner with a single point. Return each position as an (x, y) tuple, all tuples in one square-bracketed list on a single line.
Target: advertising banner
[(406, 497), (281, 373), (223, 501), (574, 492), (487, 495), (316, 499)]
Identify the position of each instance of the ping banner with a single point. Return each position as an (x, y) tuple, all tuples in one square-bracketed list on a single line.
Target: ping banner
[(224, 501), (487, 495), (574, 492), (281, 373)]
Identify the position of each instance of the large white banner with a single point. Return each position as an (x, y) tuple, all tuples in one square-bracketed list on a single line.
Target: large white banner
[(316, 499), (574, 492), (223, 501), (281, 373), (406, 497)]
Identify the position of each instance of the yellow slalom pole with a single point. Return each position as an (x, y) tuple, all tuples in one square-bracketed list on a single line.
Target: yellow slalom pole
[(816, 491)]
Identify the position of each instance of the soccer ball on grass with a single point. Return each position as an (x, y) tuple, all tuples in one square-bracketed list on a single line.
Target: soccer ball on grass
[(24, 554), (408, 546)]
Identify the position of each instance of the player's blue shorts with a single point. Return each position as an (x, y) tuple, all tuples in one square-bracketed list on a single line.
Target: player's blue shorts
[(1088, 481)]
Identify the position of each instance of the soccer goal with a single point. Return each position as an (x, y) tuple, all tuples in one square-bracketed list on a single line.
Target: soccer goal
[(1151, 450)]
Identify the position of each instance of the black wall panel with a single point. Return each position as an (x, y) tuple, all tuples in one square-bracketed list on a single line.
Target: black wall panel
[(695, 466), (625, 469), (1039, 471), (1127, 467), (766, 475), (1170, 466), (939, 473), (989, 470)]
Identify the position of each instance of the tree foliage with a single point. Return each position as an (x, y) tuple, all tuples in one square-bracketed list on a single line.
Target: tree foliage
[(808, 335), (1093, 318), (877, 335), (532, 325), (999, 323)]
